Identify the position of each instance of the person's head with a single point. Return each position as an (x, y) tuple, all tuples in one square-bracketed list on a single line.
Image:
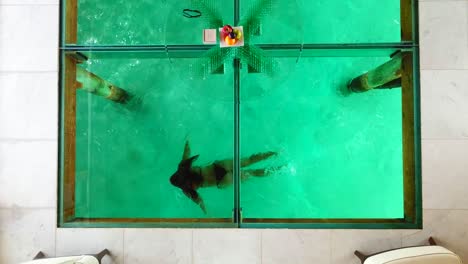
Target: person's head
[(176, 179)]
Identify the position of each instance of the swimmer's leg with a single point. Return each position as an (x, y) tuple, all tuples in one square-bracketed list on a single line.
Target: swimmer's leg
[(255, 173), (245, 174), (228, 164), (256, 158)]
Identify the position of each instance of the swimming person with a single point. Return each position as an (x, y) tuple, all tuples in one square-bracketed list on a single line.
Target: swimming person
[(220, 173)]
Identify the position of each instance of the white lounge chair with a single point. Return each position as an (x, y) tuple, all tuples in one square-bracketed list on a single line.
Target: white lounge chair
[(84, 259), (432, 254)]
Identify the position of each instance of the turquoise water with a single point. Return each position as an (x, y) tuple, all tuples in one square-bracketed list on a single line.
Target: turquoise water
[(149, 140), (339, 154), (146, 22), (342, 154)]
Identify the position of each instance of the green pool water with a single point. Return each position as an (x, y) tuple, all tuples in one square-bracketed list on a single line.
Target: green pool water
[(147, 22), (339, 155)]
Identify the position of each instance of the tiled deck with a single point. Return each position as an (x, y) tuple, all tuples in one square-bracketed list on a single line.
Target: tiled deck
[(28, 141)]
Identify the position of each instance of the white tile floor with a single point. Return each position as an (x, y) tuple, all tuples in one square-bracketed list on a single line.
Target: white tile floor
[(28, 118)]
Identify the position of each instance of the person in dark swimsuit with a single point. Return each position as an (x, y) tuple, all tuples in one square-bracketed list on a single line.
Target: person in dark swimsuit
[(189, 178)]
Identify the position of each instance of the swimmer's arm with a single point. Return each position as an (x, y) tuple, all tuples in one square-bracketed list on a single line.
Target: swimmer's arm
[(186, 154), (195, 197)]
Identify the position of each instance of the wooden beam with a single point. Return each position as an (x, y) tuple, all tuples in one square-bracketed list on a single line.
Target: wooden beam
[(154, 220), (94, 84), (71, 21), (406, 20), (384, 76), (409, 166), (318, 220), (69, 141)]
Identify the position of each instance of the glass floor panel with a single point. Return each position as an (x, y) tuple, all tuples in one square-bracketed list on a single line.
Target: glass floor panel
[(162, 22), (356, 21), (126, 153), (337, 156)]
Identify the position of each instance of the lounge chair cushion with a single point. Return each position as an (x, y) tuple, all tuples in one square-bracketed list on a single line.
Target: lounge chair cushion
[(65, 260), (416, 255)]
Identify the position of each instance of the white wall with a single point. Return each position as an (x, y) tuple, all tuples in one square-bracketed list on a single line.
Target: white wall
[(28, 154)]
